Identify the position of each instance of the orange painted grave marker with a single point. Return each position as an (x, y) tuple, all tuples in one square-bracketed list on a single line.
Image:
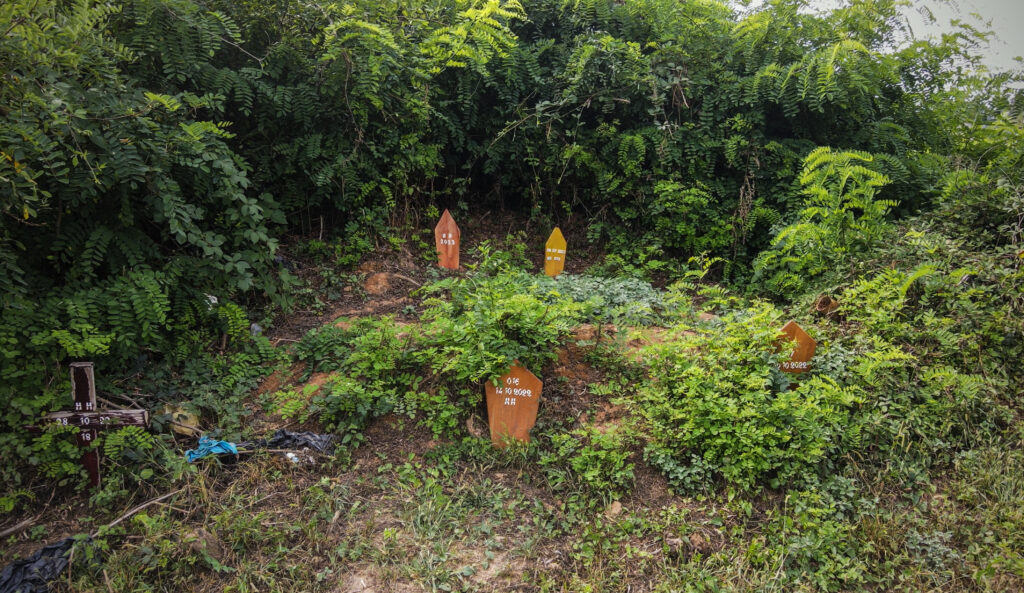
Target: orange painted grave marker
[(800, 361), (554, 253), (512, 405), (446, 239)]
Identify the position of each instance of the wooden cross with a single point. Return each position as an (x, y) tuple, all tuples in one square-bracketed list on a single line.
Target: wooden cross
[(90, 421)]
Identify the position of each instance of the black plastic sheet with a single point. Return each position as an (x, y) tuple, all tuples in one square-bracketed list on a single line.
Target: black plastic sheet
[(32, 574), (286, 439)]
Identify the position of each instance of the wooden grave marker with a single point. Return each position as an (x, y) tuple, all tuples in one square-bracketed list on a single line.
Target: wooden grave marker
[(800, 361), (90, 421), (554, 253), (446, 239), (512, 405)]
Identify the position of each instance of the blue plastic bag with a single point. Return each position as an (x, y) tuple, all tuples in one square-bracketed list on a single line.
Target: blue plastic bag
[(208, 446)]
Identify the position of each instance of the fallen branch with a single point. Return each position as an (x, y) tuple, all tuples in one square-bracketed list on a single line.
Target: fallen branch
[(194, 429), (407, 279), (137, 509), (17, 528)]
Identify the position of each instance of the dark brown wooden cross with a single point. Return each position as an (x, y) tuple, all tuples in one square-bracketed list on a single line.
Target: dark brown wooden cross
[(90, 421)]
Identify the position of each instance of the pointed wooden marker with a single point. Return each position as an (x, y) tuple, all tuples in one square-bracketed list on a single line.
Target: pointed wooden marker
[(554, 253), (800, 361), (512, 405), (446, 239)]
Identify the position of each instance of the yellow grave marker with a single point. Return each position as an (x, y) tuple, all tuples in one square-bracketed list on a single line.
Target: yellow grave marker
[(554, 253)]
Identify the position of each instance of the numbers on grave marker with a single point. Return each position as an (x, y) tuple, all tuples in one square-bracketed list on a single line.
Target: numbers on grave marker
[(89, 421), (554, 253), (800, 360), (446, 240), (512, 405)]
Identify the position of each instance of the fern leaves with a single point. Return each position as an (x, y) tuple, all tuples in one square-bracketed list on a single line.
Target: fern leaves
[(843, 74), (842, 213), (479, 33)]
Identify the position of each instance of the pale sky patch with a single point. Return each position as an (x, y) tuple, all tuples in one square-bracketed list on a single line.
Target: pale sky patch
[(1005, 18)]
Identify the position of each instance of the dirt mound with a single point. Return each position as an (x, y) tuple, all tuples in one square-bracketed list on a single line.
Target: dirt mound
[(281, 378), (393, 437), (378, 284)]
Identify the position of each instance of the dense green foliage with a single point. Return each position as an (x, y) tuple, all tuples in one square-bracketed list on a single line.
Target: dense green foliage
[(123, 209), (718, 405), (484, 323), (155, 155), (155, 151)]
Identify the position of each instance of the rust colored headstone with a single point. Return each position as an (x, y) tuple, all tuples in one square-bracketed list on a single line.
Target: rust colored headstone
[(512, 405), (446, 238), (554, 253), (800, 361), (90, 421)]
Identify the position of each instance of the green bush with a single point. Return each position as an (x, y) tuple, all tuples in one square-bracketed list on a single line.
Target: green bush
[(610, 300), (982, 201), (373, 373), (932, 361), (814, 542), (718, 407), (480, 324), (842, 215), (124, 209), (594, 459)]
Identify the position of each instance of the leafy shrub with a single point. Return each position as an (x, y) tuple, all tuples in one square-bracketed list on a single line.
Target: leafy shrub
[(930, 347), (373, 373), (482, 324), (685, 219), (842, 215), (717, 406), (611, 300), (982, 201), (927, 399), (596, 460), (815, 541), (961, 303), (125, 208)]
